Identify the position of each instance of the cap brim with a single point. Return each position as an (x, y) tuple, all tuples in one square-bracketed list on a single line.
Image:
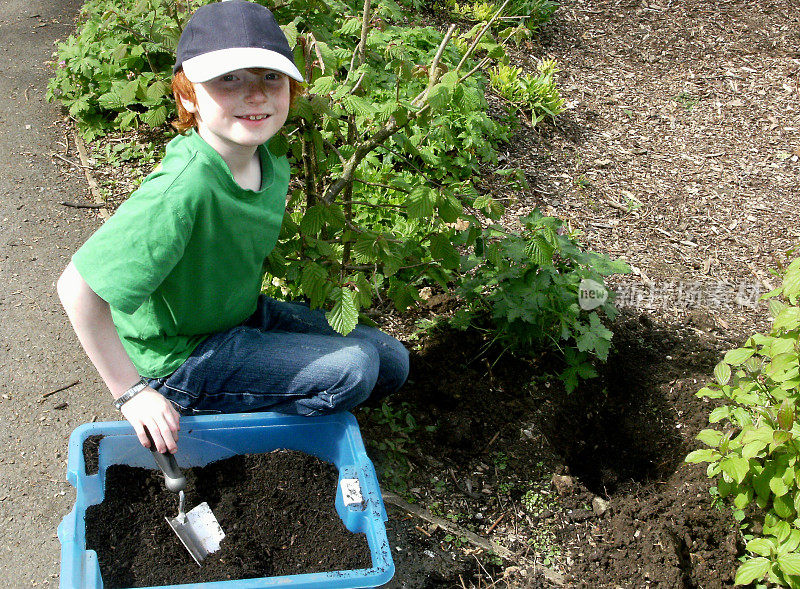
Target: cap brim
[(208, 66)]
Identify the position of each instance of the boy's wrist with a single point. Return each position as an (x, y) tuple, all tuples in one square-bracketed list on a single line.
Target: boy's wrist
[(130, 393)]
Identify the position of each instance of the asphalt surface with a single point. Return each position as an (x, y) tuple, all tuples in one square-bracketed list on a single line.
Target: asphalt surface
[(38, 351)]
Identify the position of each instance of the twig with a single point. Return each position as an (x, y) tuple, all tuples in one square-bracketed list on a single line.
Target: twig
[(486, 447), (481, 34), (361, 49), (70, 162), (379, 185), (72, 384), (94, 187), (81, 205), (433, 74), (494, 525), (373, 205), (618, 206)]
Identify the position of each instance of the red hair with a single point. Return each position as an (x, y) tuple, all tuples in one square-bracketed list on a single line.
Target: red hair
[(183, 88)]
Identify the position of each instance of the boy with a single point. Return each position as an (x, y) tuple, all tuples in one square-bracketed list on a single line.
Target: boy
[(165, 296)]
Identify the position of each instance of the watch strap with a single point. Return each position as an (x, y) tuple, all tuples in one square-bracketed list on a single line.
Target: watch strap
[(130, 393)]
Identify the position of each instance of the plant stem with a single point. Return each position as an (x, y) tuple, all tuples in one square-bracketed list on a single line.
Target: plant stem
[(480, 35)]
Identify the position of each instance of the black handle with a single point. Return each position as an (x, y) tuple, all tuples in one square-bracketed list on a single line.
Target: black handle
[(173, 477)]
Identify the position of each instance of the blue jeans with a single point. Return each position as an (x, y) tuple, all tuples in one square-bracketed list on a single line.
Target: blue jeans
[(286, 358)]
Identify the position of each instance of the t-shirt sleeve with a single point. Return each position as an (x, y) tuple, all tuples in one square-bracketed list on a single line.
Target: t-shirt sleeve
[(131, 254)]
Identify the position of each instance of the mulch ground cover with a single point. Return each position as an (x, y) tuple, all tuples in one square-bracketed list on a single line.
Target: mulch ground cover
[(277, 511)]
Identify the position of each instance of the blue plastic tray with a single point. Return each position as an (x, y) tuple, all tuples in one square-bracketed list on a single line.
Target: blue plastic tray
[(332, 438)]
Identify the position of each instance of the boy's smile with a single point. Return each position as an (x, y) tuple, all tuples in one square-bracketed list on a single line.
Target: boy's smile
[(240, 110)]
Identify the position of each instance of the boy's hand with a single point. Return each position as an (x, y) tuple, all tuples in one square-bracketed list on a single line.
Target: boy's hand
[(150, 409)]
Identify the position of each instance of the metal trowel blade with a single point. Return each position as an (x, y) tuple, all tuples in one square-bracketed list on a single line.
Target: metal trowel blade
[(199, 531)]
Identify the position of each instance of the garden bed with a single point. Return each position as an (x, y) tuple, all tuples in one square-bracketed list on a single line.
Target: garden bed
[(591, 486)]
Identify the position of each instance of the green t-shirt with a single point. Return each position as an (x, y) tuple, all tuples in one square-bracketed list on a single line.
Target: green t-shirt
[(182, 258)]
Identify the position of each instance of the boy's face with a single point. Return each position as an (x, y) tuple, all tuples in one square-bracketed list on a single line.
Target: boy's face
[(243, 108)]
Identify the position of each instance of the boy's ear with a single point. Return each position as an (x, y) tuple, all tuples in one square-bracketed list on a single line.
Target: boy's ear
[(188, 105)]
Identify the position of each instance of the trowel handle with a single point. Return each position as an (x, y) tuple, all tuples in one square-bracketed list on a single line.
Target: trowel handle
[(173, 477)]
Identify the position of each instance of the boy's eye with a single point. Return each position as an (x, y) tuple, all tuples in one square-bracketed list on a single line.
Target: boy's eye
[(228, 78)]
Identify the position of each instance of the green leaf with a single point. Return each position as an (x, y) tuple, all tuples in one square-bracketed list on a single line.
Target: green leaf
[(760, 546), (313, 220), (791, 281), (111, 101), (738, 356), (777, 486), (279, 145), (736, 466), (719, 414), (775, 307), (752, 570), (783, 507), (482, 202), (704, 455), (786, 415), (344, 315), (540, 251), (155, 117), (403, 295), (787, 320), (722, 372), (752, 449), (313, 282), (157, 90), (324, 85), (442, 249), (789, 564), (420, 203), (710, 437)]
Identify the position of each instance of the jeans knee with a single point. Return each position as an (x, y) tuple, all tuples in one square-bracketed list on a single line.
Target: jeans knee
[(394, 369), (361, 373)]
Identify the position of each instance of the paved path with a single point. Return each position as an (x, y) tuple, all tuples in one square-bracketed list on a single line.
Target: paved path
[(38, 351)]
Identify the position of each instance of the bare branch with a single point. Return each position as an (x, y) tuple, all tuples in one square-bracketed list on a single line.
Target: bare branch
[(433, 74), (359, 55), (373, 205), (481, 34), (378, 185)]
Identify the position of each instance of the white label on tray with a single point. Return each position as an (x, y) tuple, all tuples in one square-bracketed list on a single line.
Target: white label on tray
[(351, 493)]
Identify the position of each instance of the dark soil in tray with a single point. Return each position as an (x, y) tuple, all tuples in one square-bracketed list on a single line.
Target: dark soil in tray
[(277, 511)]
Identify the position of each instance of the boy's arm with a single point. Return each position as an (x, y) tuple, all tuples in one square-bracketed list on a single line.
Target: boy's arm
[(91, 318)]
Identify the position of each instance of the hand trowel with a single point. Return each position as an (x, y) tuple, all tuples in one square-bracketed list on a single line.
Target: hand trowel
[(198, 530)]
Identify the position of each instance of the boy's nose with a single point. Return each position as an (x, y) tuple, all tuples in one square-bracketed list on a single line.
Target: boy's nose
[(256, 91)]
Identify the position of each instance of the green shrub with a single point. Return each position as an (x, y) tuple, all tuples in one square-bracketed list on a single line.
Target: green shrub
[(754, 451), (535, 94), (528, 283), (115, 73), (386, 146), (524, 16)]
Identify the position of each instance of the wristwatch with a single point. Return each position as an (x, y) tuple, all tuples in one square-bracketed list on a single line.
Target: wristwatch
[(130, 393)]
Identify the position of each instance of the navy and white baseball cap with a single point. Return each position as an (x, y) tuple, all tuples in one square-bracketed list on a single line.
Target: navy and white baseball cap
[(231, 35)]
